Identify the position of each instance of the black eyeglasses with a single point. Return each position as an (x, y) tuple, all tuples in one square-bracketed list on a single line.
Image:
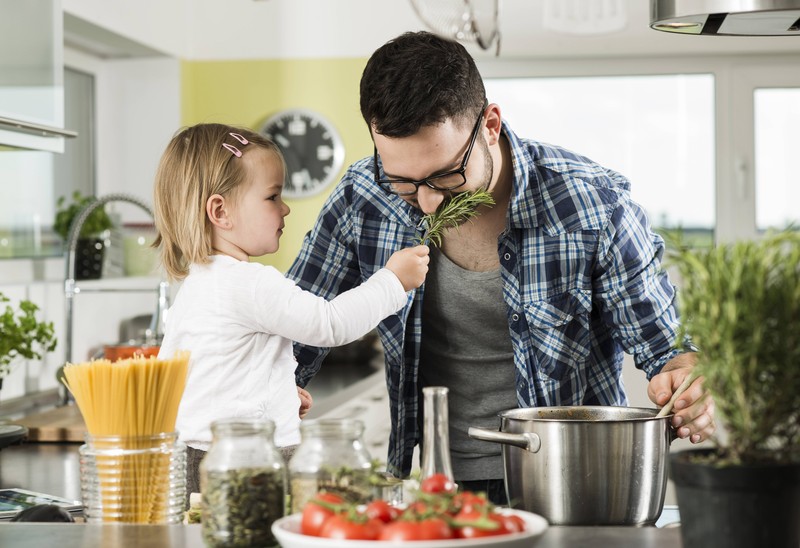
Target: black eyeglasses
[(449, 180)]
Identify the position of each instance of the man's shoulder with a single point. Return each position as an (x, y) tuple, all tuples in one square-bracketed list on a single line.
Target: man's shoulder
[(572, 192)]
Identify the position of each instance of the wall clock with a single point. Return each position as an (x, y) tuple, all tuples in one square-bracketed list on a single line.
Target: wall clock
[(312, 147)]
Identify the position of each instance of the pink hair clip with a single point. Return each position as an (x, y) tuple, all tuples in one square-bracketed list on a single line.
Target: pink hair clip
[(232, 149)]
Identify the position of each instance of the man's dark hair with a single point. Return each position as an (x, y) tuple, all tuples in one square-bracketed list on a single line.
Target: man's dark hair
[(416, 80)]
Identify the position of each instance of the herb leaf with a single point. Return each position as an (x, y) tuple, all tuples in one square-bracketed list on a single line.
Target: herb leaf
[(22, 335), (740, 304), (460, 208)]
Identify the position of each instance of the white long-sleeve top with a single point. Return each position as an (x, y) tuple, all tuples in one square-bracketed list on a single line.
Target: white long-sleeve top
[(238, 320)]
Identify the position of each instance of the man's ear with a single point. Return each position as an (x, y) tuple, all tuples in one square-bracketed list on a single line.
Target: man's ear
[(494, 123), (217, 212)]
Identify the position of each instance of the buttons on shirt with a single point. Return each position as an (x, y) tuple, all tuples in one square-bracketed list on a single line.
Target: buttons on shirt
[(514, 317), (507, 256)]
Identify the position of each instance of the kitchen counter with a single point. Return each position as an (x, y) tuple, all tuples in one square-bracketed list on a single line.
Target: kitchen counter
[(69, 535), (54, 468)]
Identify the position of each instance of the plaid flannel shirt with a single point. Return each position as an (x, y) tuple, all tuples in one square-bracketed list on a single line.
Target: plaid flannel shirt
[(581, 272)]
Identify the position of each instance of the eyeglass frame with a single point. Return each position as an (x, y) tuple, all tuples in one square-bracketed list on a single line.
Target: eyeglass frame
[(386, 184)]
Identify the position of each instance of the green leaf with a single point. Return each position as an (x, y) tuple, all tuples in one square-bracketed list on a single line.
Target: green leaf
[(460, 208), (740, 304), (97, 221), (22, 335)]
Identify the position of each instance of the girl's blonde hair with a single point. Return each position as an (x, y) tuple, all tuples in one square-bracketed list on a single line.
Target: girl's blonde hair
[(199, 161)]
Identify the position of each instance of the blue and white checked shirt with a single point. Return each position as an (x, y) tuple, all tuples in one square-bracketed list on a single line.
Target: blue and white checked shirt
[(581, 274)]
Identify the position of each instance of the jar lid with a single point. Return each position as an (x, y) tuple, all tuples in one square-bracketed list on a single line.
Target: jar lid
[(243, 427), (333, 428)]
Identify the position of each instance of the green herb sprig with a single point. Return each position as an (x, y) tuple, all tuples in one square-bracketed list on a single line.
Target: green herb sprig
[(22, 335), (460, 208)]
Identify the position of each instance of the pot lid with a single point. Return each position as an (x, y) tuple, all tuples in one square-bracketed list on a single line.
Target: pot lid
[(727, 17)]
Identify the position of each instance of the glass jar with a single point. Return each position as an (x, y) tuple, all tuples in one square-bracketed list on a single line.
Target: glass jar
[(243, 482), (331, 457), (133, 479)]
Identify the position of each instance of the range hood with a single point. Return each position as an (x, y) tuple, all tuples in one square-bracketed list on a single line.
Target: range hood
[(727, 17)]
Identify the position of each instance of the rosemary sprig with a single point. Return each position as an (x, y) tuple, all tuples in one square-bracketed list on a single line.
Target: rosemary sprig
[(460, 208)]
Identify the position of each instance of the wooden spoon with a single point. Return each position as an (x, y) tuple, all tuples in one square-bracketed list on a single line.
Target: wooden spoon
[(667, 409)]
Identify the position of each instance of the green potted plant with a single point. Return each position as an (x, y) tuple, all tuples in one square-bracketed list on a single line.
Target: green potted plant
[(90, 246), (740, 304), (22, 335)]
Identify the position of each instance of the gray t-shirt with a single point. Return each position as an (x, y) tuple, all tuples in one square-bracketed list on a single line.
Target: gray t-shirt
[(466, 347)]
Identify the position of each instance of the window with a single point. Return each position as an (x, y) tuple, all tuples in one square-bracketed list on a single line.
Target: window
[(707, 141), (657, 130), (777, 142), (31, 181)]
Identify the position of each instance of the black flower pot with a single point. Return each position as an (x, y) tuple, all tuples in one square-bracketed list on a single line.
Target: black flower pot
[(89, 258), (736, 506)]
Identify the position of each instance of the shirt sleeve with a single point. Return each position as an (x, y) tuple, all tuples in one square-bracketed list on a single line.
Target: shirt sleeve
[(287, 310), (636, 296), (327, 266)]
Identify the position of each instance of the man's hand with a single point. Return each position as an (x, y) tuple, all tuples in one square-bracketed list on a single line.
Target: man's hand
[(694, 409), (306, 401)]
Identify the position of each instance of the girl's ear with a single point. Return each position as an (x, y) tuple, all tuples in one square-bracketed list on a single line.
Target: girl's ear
[(217, 212)]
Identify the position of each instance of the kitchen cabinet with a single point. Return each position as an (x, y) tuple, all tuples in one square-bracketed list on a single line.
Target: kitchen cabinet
[(31, 75)]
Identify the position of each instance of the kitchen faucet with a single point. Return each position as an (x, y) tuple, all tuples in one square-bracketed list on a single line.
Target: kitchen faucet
[(155, 331)]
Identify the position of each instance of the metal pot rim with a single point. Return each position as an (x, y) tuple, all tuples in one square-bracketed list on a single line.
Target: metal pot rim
[(605, 414)]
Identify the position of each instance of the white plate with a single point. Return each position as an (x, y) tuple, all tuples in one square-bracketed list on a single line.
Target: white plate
[(287, 531)]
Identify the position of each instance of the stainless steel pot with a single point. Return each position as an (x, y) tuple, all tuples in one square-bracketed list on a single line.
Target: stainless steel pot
[(585, 465)]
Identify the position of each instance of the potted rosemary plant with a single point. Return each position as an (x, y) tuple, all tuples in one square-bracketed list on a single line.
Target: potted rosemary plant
[(22, 335), (90, 246), (740, 303)]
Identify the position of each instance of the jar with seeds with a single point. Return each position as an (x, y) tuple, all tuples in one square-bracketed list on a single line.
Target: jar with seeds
[(243, 481), (331, 457)]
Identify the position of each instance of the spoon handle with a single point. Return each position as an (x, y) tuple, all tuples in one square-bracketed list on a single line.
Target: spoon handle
[(667, 409)]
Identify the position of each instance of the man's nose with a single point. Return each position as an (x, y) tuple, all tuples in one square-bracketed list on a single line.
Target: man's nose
[(429, 199)]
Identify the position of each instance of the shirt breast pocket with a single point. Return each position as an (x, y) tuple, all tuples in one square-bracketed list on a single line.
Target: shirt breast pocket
[(559, 331)]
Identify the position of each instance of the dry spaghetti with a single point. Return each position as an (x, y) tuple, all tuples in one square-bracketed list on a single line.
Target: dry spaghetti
[(129, 407), (131, 397)]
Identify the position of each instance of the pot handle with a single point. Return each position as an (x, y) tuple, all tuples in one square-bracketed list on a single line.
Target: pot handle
[(529, 441)]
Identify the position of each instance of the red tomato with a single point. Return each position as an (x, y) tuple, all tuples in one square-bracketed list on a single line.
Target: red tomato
[(512, 523), (416, 509), (434, 529), (437, 483), (467, 501), (477, 523), (425, 529), (315, 515), (382, 510), (351, 527)]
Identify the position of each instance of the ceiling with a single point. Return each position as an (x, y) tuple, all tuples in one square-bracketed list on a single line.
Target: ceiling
[(276, 29)]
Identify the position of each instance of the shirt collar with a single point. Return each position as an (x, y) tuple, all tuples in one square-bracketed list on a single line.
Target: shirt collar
[(526, 195)]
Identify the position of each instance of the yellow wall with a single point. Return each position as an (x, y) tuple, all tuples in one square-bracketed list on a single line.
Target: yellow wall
[(246, 93)]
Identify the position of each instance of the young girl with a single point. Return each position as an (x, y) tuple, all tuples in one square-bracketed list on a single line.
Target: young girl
[(218, 203)]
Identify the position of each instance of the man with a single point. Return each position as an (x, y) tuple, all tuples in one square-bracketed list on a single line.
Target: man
[(531, 303)]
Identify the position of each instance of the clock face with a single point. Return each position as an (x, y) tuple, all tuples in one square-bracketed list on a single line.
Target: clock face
[(312, 148)]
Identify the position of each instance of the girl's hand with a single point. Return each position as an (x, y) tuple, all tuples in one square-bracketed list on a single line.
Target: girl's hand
[(306, 401), (410, 265)]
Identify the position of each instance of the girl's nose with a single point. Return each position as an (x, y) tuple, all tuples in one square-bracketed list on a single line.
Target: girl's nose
[(429, 199)]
